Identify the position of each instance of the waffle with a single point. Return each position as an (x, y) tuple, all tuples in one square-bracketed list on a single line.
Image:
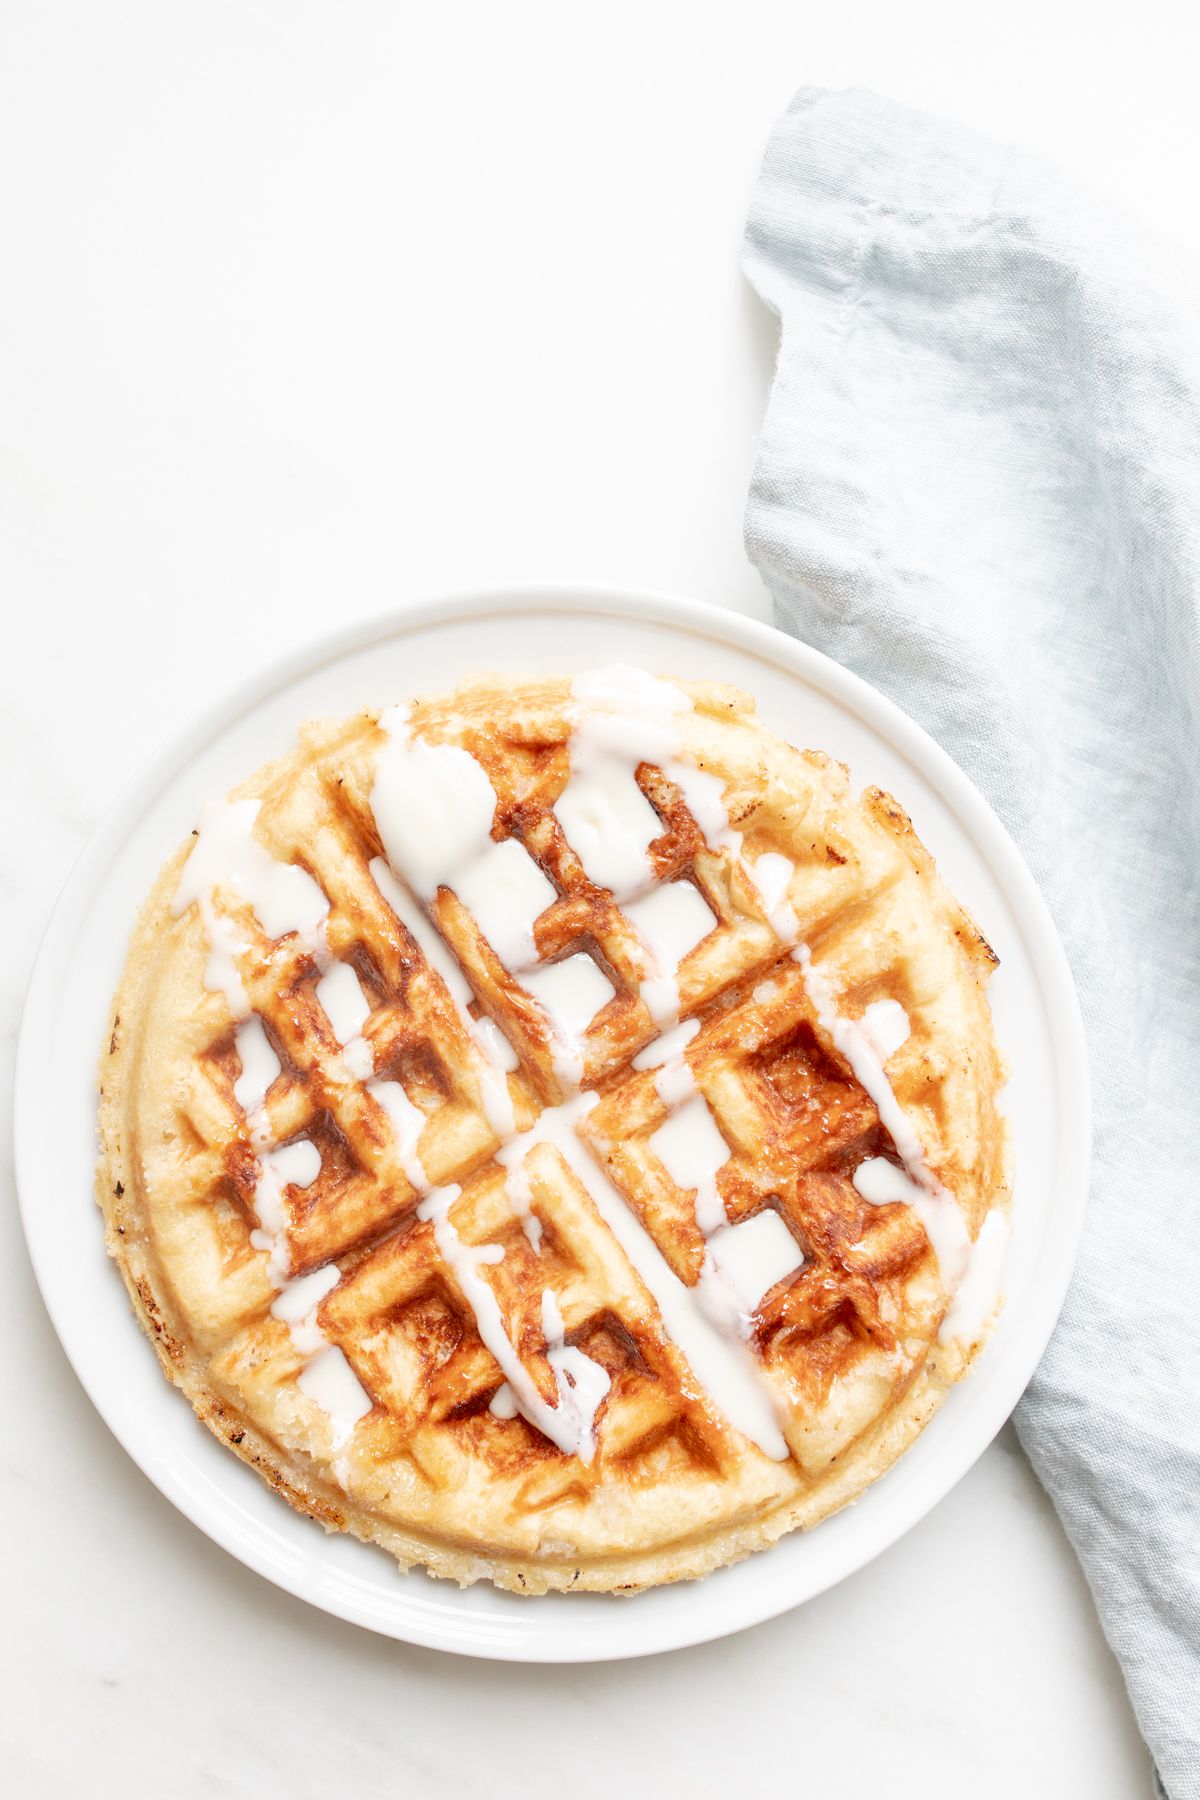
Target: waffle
[(551, 1130)]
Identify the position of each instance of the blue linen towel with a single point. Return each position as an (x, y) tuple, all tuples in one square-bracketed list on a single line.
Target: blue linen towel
[(979, 486)]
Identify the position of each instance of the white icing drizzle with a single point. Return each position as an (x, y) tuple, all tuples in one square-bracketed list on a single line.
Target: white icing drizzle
[(435, 807), (608, 821), (938, 1210), (570, 993), (504, 891), (674, 1082), (667, 1046), (347, 1008), (886, 1025), (581, 1381), (491, 1066), (288, 1165), (296, 1306), (692, 1151), (571, 1423), (748, 1259), (511, 1157), (979, 1291), (492, 1041), (772, 876), (623, 717), (671, 920), (725, 1367), (260, 1066), (881, 1183), (331, 1383), (499, 884), (407, 1122), (340, 994), (284, 899)]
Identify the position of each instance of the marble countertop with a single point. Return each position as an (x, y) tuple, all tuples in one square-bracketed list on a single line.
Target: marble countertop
[(307, 310)]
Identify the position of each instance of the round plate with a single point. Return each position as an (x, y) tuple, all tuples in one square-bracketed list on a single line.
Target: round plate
[(431, 646)]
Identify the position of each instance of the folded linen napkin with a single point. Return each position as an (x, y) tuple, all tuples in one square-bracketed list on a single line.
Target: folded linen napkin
[(979, 486)]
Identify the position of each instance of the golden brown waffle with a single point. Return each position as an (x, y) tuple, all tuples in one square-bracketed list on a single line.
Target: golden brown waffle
[(852, 1346)]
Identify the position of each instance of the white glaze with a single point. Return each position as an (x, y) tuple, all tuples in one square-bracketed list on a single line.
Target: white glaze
[(331, 1383), (297, 1164), (289, 1165), (674, 1082), (751, 1257), (511, 1157), (667, 1046), (492, 1063), (504, 891), (570, 993), (886, 1025), (260, 1065), (605, 817), (979, 1291), (341, 997), (581, 1382), (772, 875), (433, 807), (432, 945), (671, 920), (938, 1210), (407, 1122), (692, 1151), (726, 1368), (283, 897), (226, 854), (881, 1183), (296, 1303), (570, 1424), (622, 717), (298, 1298), (492, 1041)]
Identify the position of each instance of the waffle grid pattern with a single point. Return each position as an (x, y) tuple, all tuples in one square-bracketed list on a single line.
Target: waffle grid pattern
[(793, 1116)]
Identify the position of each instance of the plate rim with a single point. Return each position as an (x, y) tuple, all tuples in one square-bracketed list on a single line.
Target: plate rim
[(972, 812)]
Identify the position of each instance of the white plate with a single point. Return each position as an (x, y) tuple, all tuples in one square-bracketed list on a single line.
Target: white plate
[(810, 701)]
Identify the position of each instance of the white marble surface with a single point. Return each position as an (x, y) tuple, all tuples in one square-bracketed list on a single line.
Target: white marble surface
[(307, 308)]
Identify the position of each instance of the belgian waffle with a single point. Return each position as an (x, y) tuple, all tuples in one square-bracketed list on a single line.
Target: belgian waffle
[(551, 1130)]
